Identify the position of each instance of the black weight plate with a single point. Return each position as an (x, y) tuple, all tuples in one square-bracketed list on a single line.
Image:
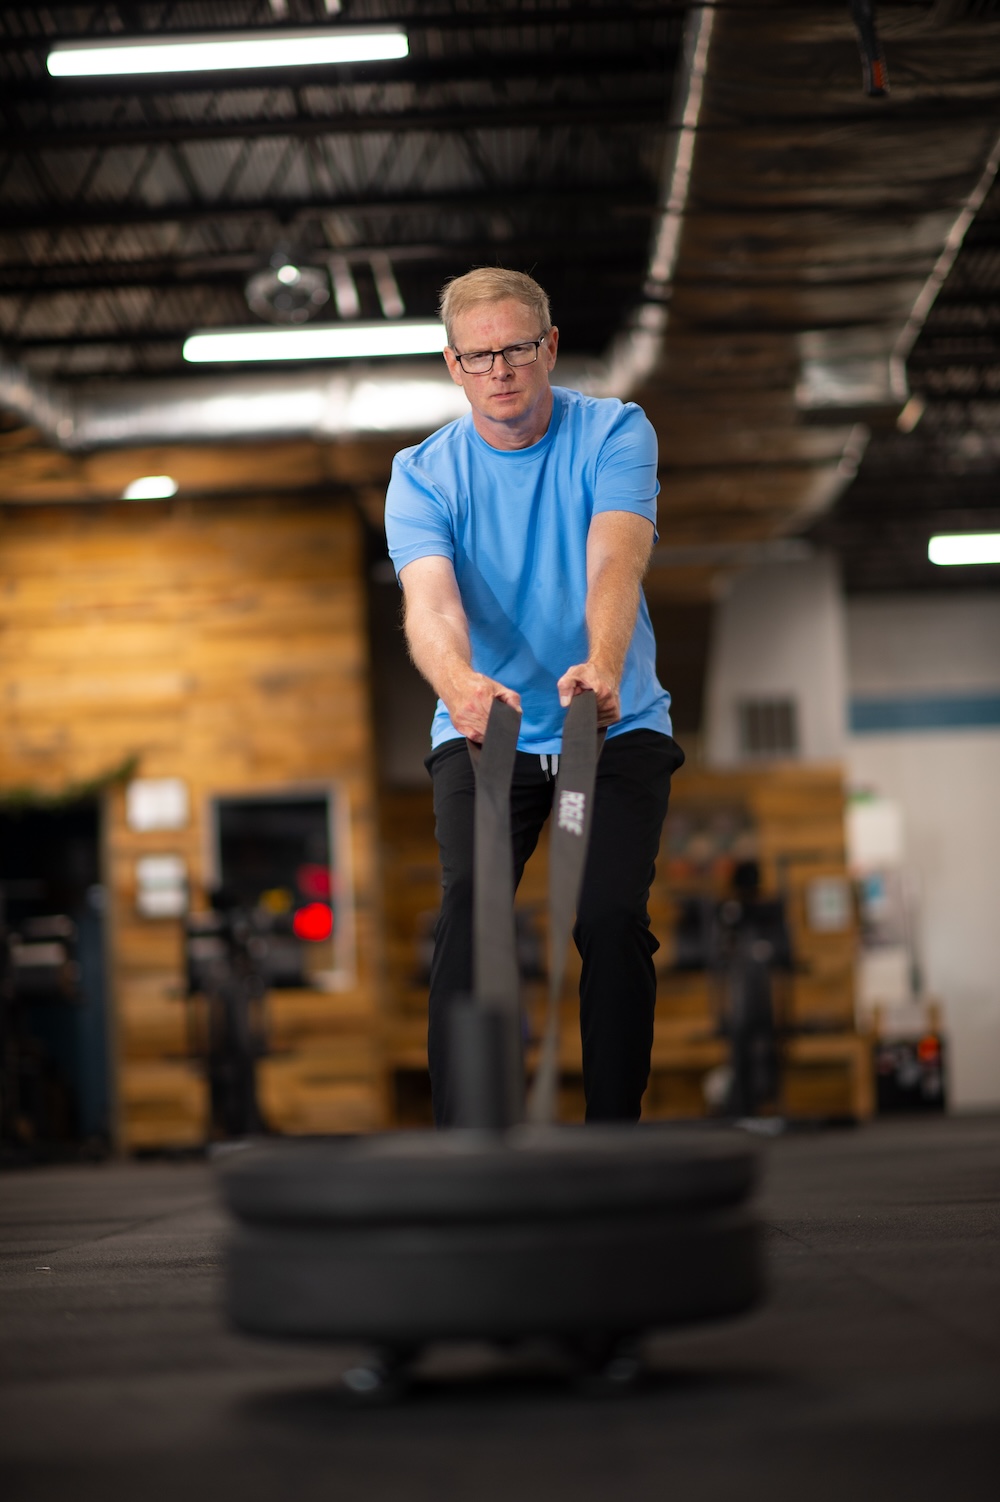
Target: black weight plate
[(538, 1173), (405, 1285)]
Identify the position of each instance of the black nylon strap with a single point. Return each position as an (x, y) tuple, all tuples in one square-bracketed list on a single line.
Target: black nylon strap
[(571, 820), (494, 965)]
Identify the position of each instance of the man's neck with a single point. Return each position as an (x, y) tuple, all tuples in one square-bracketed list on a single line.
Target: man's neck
[(518, 433)]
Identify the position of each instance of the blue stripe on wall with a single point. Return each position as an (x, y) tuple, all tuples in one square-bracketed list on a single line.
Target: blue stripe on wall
[(924, 712)]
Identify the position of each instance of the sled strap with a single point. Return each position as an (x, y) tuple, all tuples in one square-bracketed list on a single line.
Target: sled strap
[(485, 1046), (494, 949), (570, 834)]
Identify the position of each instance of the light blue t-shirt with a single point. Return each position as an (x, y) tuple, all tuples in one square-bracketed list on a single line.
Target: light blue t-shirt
[(514, 524)]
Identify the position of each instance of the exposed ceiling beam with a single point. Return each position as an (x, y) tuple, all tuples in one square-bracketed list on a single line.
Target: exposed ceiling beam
[(144, 335), (426, 18), (613, 111), (624, 198), (76, 340), (967, 352), (214, 270), (615, 114)]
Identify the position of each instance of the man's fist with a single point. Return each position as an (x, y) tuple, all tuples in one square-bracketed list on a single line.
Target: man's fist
[(587, 675), (470, 703)]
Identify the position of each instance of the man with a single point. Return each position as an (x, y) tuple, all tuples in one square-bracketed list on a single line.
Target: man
[(520, 535)]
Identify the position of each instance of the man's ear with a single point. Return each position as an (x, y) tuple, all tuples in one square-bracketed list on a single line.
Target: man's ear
[(454, 369)]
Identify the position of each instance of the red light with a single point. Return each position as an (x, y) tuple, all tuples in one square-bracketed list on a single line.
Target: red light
[(928, 1049), (313, 922), (313, 880)]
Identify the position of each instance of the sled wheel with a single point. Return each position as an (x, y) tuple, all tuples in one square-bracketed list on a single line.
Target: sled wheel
[(381, 1377), (605, 1366)]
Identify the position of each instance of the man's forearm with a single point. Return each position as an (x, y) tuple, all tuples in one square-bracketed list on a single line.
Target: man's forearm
[(437, 634), (618, 549), (612, 607), (439, 647)]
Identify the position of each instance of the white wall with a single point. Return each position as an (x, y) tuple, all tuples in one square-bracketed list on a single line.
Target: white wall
[(779, 633), (947, 783), (945, 643), (783, 631)]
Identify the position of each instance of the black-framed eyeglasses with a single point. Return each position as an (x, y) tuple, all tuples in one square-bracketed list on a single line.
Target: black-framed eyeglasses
[(480, 361)]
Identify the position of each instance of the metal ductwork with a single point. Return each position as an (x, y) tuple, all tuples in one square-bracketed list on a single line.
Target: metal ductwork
[(299, 404)]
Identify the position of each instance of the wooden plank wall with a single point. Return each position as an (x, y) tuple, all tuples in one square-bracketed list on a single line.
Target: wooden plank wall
[(224, 643)]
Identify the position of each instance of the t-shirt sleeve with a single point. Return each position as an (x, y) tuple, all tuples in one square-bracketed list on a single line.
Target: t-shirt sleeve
[(417, 518), (626, 467)]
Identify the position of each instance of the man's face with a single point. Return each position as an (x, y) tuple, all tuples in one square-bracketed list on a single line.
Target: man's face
[(503, 394)]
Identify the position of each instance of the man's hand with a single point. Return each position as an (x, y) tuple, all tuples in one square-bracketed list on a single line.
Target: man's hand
[(470, 700), (588, 675)]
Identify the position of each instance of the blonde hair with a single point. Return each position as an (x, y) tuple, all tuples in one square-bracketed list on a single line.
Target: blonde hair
[(490, 284)]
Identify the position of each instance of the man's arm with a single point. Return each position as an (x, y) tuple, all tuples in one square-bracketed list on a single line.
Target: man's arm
[(619, 544), (437, 634)]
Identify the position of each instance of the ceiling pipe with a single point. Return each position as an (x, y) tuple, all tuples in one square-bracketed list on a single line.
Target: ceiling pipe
[(47, 408), (634, 354)]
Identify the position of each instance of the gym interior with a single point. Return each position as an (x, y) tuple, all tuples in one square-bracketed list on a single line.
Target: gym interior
[(773, 224)]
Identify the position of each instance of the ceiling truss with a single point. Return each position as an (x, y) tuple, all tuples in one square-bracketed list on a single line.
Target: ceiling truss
[(535, 134)]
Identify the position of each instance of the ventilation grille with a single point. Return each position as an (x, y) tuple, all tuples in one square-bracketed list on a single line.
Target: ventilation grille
[(768, 727)]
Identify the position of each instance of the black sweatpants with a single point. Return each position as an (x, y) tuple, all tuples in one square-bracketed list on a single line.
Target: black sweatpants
[(618, 982)]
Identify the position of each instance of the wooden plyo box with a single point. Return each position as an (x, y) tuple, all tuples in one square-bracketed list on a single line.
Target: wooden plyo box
[(164, 1104), (316, 1092)]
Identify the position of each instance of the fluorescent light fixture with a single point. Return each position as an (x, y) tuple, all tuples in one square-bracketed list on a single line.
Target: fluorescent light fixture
[(150, 488), (965, 547), (221, 51), (356, 341)]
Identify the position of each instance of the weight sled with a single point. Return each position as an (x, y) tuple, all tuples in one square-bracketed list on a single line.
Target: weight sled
[(411, 1237), (499, 1228)]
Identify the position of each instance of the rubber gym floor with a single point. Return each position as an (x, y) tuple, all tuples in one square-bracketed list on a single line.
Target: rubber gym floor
[(873, 1372)]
